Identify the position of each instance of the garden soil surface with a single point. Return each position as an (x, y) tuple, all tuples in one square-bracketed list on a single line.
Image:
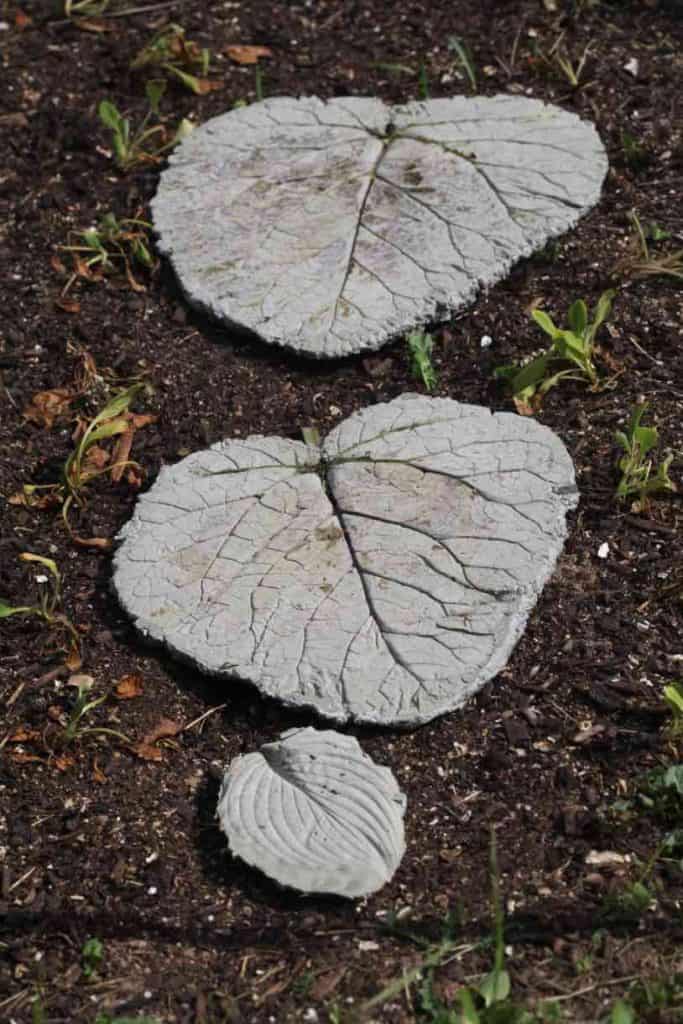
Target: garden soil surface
[(103, 838)]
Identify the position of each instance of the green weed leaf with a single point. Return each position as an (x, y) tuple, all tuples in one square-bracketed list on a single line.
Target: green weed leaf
[(7, 609), (495, 987), (578, 316), (622, 1013)]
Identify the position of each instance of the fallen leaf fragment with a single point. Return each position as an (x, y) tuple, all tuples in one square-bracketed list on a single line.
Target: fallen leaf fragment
[(146, 749), (22, 20), (73, 660), (128, 687), (585, 735), (103, 543), (95, 460), (27, 498), (68, 305), (606, 858), (248, 54), (63, 762), (23, 735), (47, 406), (523, 408), (97, 773), (92, 25), (81, 681), (21, 757), (326, 984), (121, 453)]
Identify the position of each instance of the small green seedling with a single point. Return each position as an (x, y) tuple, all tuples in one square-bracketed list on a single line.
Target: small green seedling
[(92, 956), (171, 52), (637, 476), (112, 245), (258, 83), (641, 262), (48, 606), (462, 52), (420, 346), (133, 149), (571, 68), (673, 695), (621, 1013), (573, 349), (422, 82), (84, 8), (82, 466), (633, 151)]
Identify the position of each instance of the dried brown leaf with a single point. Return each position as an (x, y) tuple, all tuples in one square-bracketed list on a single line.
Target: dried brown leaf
[(103, 543), (73, 660), (248, 54), (21, 757), (121, 453), (47, 406), (68, 305), (523, 408), (63, 762), (92, 25), (326, 984), (146, 749), (128, 687), (57, 265), (96, 459), (23, 735)]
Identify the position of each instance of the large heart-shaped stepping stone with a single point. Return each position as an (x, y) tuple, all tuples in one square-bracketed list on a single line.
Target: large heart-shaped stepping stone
[(332, 227), (383, 578), (314, 812)]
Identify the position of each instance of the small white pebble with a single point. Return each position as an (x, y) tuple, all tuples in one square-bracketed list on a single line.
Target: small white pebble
[(152, 891), (632, 66), (311, 1015), (147, 994), (486, 341), (603, 550), (41, 579)]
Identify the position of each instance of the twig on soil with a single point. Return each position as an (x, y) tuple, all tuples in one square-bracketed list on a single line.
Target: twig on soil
[(16, 1000), (144, 10), (590, 988), (15, 885), (201, 718)]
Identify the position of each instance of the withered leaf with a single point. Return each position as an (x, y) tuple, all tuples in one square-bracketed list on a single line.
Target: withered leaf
[(47, 406), (68, 305), (128, 687), (23, 735), (103, 543), (248, 54), (63, 762), (146, 749)]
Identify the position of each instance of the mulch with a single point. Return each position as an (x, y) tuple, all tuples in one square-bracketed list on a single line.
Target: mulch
[(97, 840)]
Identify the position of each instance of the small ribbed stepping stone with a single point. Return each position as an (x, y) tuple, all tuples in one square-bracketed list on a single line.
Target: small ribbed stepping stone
[(332, 227), (315, 813), (382, 577)]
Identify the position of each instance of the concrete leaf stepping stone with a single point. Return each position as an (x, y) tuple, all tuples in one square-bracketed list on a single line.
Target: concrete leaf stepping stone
[(383, 577), (315, 813), (333, 227)]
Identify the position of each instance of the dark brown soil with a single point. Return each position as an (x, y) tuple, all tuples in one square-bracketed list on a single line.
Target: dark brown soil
[(98, 842)]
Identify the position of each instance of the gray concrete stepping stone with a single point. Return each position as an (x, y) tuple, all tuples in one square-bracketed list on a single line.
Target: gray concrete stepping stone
[(315, 813), (383, 578), (333, 227)]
